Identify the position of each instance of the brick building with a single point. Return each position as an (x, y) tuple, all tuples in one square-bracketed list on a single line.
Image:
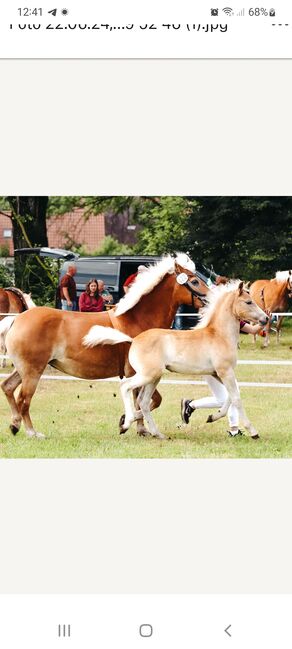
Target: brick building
[(72, 229), (6, 238)]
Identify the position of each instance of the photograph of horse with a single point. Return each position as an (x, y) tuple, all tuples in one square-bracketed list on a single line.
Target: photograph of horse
[(210, 348), (273, 295), (44, 335)]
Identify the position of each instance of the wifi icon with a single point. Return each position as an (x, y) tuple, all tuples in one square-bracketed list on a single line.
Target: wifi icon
[(228, 11)]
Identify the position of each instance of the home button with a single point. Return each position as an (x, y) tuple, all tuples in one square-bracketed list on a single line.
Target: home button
[(146, 630)]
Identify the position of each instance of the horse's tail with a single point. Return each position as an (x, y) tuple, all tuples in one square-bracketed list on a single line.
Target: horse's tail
[(5, 325), (98, 335)]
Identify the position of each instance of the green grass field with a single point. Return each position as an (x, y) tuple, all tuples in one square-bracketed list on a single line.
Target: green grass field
[(80, 419)]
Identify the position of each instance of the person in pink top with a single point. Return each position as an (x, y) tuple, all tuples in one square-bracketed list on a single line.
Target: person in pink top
[(90, 300)]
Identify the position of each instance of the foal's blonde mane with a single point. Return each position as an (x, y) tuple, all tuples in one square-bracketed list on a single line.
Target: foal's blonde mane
[(146, 281), (213, 297)]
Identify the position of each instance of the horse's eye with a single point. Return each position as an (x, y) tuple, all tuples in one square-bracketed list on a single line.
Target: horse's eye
[(249, 302)]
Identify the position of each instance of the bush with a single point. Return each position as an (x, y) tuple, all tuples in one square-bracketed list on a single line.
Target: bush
[(6, 276)]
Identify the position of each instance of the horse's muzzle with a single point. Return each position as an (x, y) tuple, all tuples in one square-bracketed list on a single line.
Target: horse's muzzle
[(264, 321)]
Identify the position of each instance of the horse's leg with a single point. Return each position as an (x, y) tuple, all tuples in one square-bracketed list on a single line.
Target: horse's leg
[(267, 338), (9, 386), (155, 400), (278, 328), (155, 403), (229, 380), (28, 388), (145, 407), (127, 385), (141, 428)]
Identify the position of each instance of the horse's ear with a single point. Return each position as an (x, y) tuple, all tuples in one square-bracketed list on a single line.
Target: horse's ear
[(240, 287), (248, 285)]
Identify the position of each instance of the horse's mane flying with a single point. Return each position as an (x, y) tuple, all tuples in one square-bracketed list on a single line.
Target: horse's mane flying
[(213, 296), (282, 275), (146, 281)]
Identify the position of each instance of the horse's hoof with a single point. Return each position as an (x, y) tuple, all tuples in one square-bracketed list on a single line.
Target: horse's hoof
[(13, 429), (143, 432), (255, 436), (210, 419), (121, 425), (122, 420)]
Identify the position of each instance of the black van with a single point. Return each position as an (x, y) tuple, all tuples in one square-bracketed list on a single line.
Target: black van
[(113, 270)]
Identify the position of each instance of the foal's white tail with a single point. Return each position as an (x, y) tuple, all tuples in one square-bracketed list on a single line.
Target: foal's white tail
[(98, 335)]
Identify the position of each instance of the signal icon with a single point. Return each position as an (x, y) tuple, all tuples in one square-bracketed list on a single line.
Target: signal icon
[(240, 13), (228, 11)]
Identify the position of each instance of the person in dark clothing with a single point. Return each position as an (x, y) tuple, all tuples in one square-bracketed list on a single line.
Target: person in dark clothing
[(68, 291)]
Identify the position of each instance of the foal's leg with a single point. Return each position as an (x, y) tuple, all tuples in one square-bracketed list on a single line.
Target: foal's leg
[(28, 388), (155, 400), (155, 403), (127, 385), (9, 386), (141, 428), (229, 380), (145, 401)]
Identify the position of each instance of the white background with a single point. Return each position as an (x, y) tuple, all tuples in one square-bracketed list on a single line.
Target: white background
[(138, 127)]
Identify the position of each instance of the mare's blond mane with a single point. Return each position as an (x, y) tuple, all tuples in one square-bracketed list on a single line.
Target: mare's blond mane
[(282, 275), (146, 281)]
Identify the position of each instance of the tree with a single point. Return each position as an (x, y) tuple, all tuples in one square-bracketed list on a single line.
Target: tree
[(242, 237), (28, 216)]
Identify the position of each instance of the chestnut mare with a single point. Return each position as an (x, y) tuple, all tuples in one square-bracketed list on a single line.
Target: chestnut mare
[(273, 295), (210, 348), (44, 335)]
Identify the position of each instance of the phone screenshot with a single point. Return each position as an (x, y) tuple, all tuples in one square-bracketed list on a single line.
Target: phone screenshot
[(145, 325)]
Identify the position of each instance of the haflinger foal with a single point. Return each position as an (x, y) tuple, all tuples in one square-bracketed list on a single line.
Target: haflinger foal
[(210, 348)]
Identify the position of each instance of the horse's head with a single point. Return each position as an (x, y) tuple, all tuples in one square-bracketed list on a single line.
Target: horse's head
[(246, 309), (189, 288)]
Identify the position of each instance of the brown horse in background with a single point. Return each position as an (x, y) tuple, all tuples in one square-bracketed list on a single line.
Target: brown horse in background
[(13, 300), (44, 335), (273, 295)]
